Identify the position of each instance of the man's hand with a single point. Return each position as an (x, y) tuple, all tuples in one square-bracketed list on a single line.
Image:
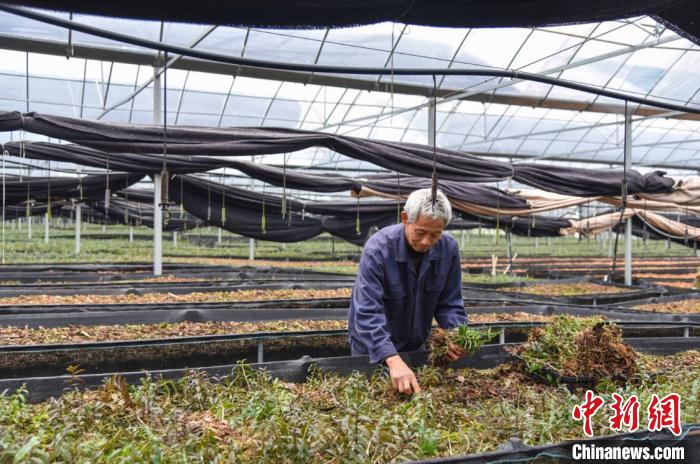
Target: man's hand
[(455, 352), (402, 377)]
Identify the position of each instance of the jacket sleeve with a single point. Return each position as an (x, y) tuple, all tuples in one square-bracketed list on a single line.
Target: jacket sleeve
[(370, 320), (450, 311)]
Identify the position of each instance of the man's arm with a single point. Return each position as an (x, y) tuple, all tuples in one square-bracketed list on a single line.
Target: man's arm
[(371, 323), (450, 308), (370, 319)]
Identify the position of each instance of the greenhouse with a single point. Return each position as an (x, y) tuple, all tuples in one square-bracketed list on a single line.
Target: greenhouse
[(388, 231)]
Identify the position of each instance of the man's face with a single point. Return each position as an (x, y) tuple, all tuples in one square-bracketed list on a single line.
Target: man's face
[(424, 232)]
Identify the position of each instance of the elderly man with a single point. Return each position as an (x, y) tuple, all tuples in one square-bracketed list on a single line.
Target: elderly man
[(409, 274)]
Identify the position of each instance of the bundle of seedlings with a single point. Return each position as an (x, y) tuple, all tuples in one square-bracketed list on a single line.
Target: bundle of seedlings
[(578, 350), (470, 340)]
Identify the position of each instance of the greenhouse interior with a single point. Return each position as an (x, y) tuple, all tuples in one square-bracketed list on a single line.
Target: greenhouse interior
[(338, 232)]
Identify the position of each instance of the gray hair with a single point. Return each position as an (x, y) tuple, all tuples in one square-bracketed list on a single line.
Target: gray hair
[(419, 203)]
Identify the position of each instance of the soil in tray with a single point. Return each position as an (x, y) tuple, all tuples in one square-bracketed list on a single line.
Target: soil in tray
[(580, 288), (167, 356), (195, 297), (101, 333), (249, 417), (682, 306)]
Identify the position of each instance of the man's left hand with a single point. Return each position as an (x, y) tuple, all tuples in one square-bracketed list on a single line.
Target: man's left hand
[(455, 352)]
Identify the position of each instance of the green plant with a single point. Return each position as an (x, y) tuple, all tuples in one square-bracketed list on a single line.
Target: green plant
[(470, 340), (590, 348)]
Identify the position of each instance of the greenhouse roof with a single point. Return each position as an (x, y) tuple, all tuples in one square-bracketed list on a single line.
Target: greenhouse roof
[(481, 115)]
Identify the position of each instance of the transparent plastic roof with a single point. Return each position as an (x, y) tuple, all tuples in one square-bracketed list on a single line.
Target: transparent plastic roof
[(519, 119)]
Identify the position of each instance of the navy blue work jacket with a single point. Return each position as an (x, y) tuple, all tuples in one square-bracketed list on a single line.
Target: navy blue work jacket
[(393, 304)]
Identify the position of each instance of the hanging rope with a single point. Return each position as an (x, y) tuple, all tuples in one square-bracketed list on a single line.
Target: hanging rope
[(21, 146), (686, 225), (78, 171), (4, 154), (164, 175), (645, 234), (498, 215), (126, 199), (108, 194), (284, 185), (223, 198), (28, 195), (182, 204), (358, 230), (209, 198), (434, 179), (48, 210), (263, 221)]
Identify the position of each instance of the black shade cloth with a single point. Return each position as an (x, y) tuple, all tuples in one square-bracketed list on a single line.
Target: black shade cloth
[(242, 211), (563, 180), (533, 226), (56, 188), (583, 182), (413, 159), (682, 16), (126, 162), (19, 211), (472, 193)]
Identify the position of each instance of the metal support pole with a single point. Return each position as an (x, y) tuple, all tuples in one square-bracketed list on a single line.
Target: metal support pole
[(157, 213), (502, 336), (78, 218), (251, 249), (218, 239), (19, 223), (157, 228), (29, 227), (260, 352), (46, 228), (628, 225), (509, 237), (131, 234), (175, 239)]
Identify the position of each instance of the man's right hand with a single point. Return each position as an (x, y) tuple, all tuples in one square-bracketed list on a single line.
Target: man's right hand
[(402, 377)]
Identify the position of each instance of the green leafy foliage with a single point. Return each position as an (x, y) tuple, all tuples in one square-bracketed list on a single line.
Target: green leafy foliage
[(469, 339), (249, 416)]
